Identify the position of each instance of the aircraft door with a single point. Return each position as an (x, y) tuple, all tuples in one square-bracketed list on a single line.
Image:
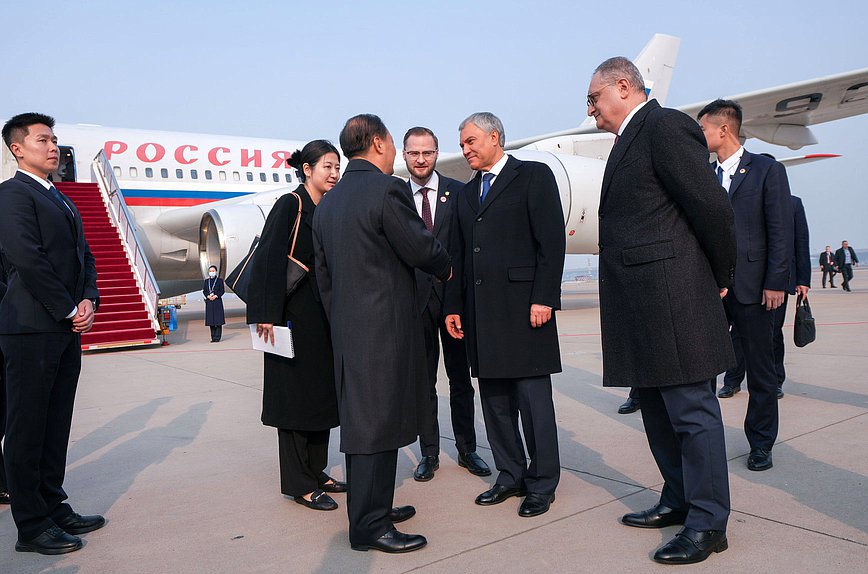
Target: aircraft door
[(66, 165)]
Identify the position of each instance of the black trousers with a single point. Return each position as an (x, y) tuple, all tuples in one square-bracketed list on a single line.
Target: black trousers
[(460, 387), (735, 375), (756, 327), (41, 378), (846, 275), (3, 484), (831, 273), (503, 400), (303, 456), (370, 495), (216, 332), (685, 433)]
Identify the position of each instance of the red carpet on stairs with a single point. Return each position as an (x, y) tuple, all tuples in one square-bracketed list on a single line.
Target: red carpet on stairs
[(122, 319)]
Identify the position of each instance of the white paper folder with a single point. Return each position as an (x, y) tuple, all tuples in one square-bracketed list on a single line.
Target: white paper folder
[(282, 342)]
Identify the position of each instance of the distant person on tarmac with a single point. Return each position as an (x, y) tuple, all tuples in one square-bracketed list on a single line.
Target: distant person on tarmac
[(845, 259), (213, 289), (828, 265)]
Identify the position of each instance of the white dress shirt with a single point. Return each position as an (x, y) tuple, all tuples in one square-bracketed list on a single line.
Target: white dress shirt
[(729, 166), (630, 117), (433, 184), (495, 171)]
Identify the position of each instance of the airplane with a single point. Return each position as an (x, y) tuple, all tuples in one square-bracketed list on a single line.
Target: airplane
[(201, 199)]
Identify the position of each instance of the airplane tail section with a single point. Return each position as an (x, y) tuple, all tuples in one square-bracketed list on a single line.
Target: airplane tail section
[(656, 62)]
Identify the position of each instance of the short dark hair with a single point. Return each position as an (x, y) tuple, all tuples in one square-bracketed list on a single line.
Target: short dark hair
[(727, 110), (359, 133), (311, 153), (214, 267), (17, 128), (420, 131)]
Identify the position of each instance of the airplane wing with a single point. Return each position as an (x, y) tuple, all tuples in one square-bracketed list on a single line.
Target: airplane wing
[(809, 158), (781, 115)]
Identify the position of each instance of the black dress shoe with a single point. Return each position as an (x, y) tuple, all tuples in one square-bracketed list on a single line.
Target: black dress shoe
[(319, 500), (333, 486), (690, 546), (78, 524), (726, 391), (759, 459), (497, 494), (401, 513), (535, 504), (4, 497), (659, 516), (53, 540), (473, 463), (425, 471), (631, 405), (394, 542), (780, 392)]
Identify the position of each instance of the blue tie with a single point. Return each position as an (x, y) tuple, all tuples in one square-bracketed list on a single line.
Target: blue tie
[(720, 175), (486, 185), (59, 198)]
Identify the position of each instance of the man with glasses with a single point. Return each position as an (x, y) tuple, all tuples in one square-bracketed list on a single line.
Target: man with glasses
[(667, 252), (435, 196)]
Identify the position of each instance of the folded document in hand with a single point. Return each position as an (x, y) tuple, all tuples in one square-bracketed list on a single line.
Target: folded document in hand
[(282, 342)]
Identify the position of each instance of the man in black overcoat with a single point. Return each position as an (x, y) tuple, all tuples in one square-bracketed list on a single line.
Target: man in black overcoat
[(509, 246), (50, 301), (667, 252), (435, 196), (759, 192), (368, 239), (4, 490)]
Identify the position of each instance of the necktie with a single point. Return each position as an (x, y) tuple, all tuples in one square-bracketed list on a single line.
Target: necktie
[(59, 198), (720, 175), (426, 209), (486, 185)]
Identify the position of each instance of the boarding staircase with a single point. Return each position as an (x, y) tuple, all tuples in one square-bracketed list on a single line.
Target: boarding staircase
[(127, 315)]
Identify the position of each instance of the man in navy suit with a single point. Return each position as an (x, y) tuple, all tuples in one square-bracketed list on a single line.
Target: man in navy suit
[(759, 192), (50, 300), (508, 247), (434, 196), (4, 490), (845, 259)]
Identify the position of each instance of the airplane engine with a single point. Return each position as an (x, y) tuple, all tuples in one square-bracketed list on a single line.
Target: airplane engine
[(226, 234), (579, 181)]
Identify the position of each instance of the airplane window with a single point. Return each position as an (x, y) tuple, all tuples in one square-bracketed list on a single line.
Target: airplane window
[(236, 176), (276, 178), (179, 173), (117, 171), (164, 173), (288, 178), (149, 172), (262, 177), (194, 174), (222, 175), (207, 174), (134, 172), (249, 176)]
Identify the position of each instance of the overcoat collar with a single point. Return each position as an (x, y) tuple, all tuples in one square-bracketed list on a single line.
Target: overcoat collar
[(623, 144), (740, 173), (504, 178), (361, 165), (307, 205)]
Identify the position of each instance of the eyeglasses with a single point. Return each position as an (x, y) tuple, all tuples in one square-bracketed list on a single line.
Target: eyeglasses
[(592, 98), (429, 154)]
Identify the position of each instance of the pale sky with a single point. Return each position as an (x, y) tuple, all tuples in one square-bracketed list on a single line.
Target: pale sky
[(298, 70)]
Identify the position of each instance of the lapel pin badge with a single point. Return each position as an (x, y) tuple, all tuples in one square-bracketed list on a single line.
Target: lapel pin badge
[(443, 199), (742, 170)]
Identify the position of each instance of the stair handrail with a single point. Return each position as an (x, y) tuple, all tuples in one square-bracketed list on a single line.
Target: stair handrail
[(113, 197)]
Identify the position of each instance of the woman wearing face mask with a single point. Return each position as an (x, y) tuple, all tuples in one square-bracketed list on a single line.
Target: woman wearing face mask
[(213, 290), (298, 394)]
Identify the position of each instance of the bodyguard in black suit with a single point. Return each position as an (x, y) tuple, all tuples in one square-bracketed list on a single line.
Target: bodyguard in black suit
[(508, 247), (758, 190), (845, 259), (828, 265), (50, 300), (667, 250), (368, 239), (435, 197), (4, 490)]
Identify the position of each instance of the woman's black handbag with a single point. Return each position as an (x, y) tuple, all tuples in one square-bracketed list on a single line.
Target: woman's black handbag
[(295, 269), (238, 280), (804, 329)]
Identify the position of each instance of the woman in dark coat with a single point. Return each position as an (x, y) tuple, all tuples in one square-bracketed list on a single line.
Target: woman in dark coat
[(213, 290), (298, 394)]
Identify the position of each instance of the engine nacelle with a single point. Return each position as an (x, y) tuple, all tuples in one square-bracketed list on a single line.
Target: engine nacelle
[(579, 181), (226, 235)]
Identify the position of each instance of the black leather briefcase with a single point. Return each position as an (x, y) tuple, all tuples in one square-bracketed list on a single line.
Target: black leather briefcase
[(804, 329)]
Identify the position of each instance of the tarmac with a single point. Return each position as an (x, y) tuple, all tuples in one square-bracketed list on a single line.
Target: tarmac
[(167, 444)]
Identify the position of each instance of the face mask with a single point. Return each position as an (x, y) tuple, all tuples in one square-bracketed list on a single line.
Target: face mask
[(212, 274)]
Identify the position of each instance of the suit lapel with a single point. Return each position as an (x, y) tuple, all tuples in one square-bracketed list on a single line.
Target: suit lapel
[(623, 144), (503, 179), (443, 199), (472, 187), (63, 207), (740, 173)]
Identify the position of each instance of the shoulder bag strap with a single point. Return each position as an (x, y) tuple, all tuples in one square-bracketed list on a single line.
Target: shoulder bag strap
[(297, 223)]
